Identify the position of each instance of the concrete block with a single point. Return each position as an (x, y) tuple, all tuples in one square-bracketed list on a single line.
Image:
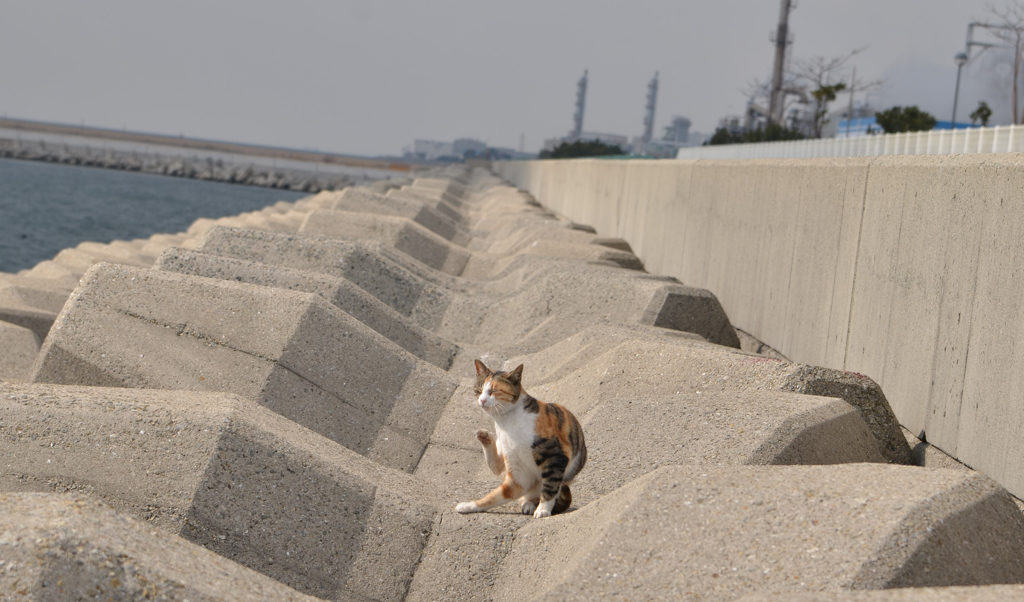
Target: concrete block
[(541, 301), (337, 291), (720, 533), (446, 205), (47, 298), (401, 233), (383, 186), (660, 369), (82, 259), (158, 243), (628, 437), (129, 252), (365, 201), (61, 276), (364, 264), (483, 266), (984, 593), (42, 284), (227, 474), (18, 349), (37, 320), (290, 351), (657, 421), (69, 548)]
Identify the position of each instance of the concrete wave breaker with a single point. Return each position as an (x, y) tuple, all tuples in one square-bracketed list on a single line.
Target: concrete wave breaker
[(716, 533), (985, 593), (559, 296), (290, 351), (339, 292), (224, 473), (442, 224), (629, 436), (609, 361), (68, 548), (300, 404)]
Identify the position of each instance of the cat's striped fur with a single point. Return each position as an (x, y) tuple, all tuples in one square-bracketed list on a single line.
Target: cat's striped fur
[(538, 450)]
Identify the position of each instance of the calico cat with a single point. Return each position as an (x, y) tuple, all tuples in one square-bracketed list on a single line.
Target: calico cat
[(539, 448)]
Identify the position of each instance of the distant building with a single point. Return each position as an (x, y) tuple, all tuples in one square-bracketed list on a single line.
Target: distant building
[(677, 135), (678, 132), (430, 150), (464, 147), (732, 123), (460, 150)]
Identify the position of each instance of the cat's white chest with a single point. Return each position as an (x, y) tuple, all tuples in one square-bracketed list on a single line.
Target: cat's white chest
[(515, 442)]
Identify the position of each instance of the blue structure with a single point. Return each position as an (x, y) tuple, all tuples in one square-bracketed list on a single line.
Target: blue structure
[(862, 126), (946, 125)]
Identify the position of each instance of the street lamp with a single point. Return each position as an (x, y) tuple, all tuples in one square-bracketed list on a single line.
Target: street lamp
[(960, 59)]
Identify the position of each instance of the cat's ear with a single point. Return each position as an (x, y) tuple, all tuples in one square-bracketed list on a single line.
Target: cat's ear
[(516, 376), (481, 368)]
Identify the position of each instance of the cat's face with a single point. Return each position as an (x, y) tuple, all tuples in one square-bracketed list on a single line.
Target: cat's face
[(497, 392)]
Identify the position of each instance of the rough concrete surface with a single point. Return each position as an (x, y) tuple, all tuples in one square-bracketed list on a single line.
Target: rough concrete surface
[(62, 547), (339, 292), (224, 473), (986, 593), (290, 351), (784, 529), (18, 349), (292, 389)]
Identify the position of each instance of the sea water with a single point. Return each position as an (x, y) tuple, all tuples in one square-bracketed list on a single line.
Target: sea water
[(46, 207)]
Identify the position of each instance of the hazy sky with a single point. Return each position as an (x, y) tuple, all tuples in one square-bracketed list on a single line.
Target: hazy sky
[(369, 77)]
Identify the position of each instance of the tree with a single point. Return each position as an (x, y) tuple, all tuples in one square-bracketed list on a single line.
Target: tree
[(722, 136), (823, 96), (773, 132), (582, 148), (982, 113), (826, 77), (1010, 30), (909, 119)]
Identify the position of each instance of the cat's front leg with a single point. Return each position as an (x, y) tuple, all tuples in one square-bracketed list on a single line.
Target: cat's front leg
[(528, 503), (544, 509), (494, 460)]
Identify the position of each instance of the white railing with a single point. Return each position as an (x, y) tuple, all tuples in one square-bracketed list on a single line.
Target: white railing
[(997, 139)]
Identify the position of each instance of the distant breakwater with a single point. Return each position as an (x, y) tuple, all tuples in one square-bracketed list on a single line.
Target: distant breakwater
[(218, 169)]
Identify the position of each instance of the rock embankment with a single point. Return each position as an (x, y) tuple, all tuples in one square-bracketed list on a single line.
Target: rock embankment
[(280, 405), (200, 168)]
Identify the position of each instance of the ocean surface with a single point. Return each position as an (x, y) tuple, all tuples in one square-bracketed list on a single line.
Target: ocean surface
[(46, 207)]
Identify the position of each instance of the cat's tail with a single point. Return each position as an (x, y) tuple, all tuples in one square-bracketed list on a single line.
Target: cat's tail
[(564, 499)]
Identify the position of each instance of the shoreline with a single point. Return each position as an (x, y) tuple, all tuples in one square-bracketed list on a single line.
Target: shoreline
[(227, 169), (199, 144)]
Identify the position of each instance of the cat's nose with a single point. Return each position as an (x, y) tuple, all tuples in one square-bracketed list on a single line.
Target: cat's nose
[(482, 400)]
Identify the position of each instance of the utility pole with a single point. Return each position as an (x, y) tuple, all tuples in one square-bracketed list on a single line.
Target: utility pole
[(781, 41)]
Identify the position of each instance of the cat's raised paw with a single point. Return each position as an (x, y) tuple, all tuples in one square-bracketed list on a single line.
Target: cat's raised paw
[(483, 437), (467, 507), (528, 507)]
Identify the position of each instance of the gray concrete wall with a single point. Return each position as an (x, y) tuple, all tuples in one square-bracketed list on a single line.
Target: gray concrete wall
[(907, 269)]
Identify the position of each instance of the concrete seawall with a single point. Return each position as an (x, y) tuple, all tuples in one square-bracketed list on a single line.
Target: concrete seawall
[(905, 269)]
